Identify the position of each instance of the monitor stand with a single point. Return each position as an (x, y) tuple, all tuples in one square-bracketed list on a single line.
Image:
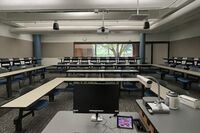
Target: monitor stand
[(96, 118)]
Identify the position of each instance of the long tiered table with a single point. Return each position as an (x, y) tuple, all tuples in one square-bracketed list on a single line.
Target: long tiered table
[(102, 71), (8, 76), (65, 67), (189, 72)]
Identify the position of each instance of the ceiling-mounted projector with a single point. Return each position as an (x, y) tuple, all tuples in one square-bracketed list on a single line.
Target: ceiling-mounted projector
[(103, 30)]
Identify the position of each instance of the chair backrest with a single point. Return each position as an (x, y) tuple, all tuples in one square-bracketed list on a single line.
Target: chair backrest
[(198, 62), (5, 62), (180, 66), (75, 59), (3, 70), (179, 60), (194, 68), (121, 60), (14, 68), (171, 60), (16, 62), (66, 59), (27, 61), (102, 59), (189, 61), (93, 60)]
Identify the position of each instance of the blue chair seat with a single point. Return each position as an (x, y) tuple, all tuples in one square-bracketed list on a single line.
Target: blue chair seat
[(149, 93), (38, 72), (70, 88), (38, 105), (130, 87), (19, 77), (170, 76), (3, 81), (183, 80), (55, 92), (162, 74), (198, 85)]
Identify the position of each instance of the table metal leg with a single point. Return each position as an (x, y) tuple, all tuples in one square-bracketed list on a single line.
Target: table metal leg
[(18, 121), (43, 74), (143, 90), (30, 77), (9, 87)]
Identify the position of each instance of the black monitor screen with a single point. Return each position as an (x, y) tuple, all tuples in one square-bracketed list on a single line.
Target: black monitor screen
[(91, 98)]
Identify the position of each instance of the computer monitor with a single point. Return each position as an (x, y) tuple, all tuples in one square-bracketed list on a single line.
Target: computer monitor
[(96, 98)]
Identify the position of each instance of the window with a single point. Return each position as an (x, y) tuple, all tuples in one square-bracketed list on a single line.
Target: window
[(106, 50), (84, 50), (125, 50)]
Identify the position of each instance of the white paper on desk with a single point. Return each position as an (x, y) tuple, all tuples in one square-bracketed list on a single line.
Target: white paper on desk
[(156, 108)]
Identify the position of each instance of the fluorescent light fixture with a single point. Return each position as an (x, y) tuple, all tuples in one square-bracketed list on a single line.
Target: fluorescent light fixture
[(28, 2), (80, 14)]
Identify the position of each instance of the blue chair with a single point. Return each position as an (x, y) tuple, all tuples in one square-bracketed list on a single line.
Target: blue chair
[(3, 81), (198, 85), (27, 61), (162, 74), (129, 87), (3, 70), (5, 62), (19, 77), (16, 62), (39, 72), (170, 76), (38, 105), (53, 93), (149, 93), (184, 81), (70, 87)]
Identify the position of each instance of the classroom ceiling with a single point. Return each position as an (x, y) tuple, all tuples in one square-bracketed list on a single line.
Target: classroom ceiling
[(37, 16)]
